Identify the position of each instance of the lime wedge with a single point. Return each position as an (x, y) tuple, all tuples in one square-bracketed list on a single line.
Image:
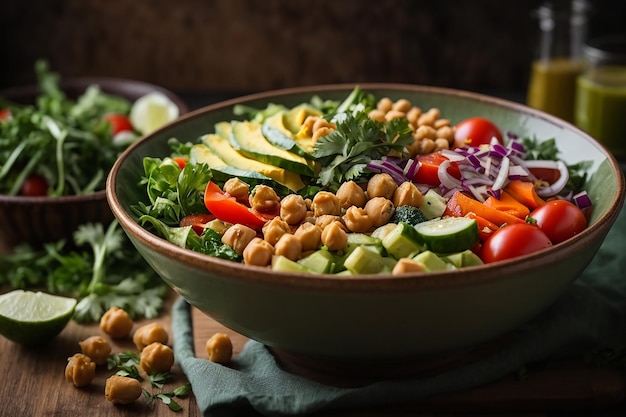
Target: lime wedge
[(152, 111), (31, 318)]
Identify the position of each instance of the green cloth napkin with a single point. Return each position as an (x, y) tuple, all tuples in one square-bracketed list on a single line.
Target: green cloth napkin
[(590, 314)]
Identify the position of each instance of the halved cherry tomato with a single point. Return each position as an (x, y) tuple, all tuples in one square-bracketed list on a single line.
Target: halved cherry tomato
[(514, 240), (559, 219), (196, 221), (548, 175), (226, 208), (119, 123), (428, 167), (34, 186), (180, 161), (475, 131)]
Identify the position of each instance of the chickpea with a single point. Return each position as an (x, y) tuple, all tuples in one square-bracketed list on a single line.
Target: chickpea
[(394, 114), (310, 236), (80, 370), (258, 252), (97, 348), (402, 105), (334, 236), (406, 265), (219, 348), (377, 115), (293, 209), (350, 194), (429, 117), (288, 246), (264, 199), (446, 132), (380, 210), (439, 123), (413, 115), (325, 202), (441, 143), (156, 357), (384, 104), (116, 323), (357, 220), (425, 132), (326, 219), (238, 189), (238, 236), (426, 146), (407, 194), (274, 229), (148, 334), (381, 185), (122, 390)]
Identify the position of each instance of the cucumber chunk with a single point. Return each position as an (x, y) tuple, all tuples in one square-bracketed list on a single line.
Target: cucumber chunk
[(320, 261), (432, 262), (449, 234), (403, 241), (364, 261), (434, 204)]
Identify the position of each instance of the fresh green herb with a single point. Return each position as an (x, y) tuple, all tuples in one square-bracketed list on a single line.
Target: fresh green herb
[(547, 150), (210, 242), (173, 193), (66, 142), (358, 139), (110, 273), (126, 364)]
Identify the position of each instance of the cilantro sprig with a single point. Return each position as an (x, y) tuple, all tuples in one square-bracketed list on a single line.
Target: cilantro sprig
[(358, 139), (100, 268)]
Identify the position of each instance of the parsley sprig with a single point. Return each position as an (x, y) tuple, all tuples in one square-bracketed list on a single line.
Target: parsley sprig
[(126, 364), (358, 139)]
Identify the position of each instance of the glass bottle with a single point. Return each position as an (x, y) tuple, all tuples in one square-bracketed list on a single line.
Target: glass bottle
[(558, 61), (601, 93)]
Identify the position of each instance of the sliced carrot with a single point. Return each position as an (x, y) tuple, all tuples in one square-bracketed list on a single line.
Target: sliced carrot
[(485, 227), (460, 205), (508, 204), (525, 193)]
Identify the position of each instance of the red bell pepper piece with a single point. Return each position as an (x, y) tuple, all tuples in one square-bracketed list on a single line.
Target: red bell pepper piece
[(227, 209)]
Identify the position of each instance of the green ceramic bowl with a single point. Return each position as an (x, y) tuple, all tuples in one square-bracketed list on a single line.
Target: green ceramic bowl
[(375, 317)]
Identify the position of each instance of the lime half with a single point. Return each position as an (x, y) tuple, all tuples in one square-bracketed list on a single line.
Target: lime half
[(152, 111), (31, 318)]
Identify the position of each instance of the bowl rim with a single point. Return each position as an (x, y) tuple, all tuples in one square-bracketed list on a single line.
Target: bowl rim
[(366, 282), (113, 85)]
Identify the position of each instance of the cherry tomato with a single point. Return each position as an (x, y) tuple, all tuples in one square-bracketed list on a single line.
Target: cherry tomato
[(180, 161), (429, 165), (559, 219), (548, 175), (5, 114), (475, 131), (514, 240), (119, 123), (34, 186), (196, 221)]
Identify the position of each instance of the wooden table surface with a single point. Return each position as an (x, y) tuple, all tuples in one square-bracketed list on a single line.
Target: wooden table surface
[(34, 384)]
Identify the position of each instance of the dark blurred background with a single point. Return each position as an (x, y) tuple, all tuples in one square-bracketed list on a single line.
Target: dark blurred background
[(232, 46)]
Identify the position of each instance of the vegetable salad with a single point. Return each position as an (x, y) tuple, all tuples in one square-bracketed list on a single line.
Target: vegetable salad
[(362, 186)]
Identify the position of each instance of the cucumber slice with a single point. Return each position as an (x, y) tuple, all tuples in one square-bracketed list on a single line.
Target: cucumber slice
[(448, 234)]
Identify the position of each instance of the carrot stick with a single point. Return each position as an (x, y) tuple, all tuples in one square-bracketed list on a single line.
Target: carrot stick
[(525, 193), (508, 204), (460, 205), (485, 227)]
